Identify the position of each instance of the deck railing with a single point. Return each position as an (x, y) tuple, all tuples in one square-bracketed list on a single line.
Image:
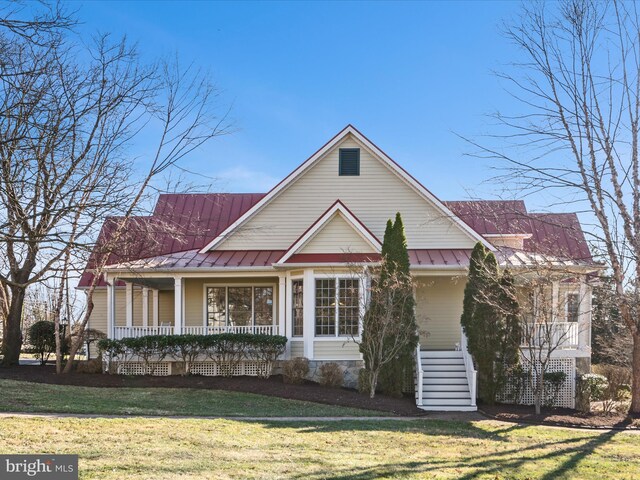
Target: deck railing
[(134, 332), (562, 335)]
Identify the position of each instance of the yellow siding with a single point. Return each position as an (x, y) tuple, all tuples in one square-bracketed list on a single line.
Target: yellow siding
[(297, 349), (374, 196), (335, 350), (98, 318), (438, 310), (337, 236), (165, 307)]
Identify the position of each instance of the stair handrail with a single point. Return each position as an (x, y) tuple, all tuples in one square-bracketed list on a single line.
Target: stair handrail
[(419, 374), (472, 374)]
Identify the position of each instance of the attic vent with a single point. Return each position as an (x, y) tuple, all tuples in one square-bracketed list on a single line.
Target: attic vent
[(349, 164)]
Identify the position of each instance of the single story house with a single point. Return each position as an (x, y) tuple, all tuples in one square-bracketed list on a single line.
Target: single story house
[(283, 262)]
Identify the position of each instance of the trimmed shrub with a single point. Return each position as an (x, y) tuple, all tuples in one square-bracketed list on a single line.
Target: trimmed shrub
[(331, 375), (295, 370), (552, 383), (594, 384), (226, 349)]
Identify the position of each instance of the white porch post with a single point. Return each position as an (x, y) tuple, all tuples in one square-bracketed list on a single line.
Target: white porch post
[(156, 310), (584, 318), (178, 319), (309, 308), (111, 307), (129, 304), (282, 303), (555, 292), (145, 307)]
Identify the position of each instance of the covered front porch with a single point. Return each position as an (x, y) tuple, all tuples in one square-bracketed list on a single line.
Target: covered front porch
[(154, 305)]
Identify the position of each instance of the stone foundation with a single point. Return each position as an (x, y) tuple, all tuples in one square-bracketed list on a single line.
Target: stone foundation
[(350, 368), (583, 365)]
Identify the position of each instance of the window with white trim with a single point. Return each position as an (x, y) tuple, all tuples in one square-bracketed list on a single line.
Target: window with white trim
[(297, 314), (573, 307), (337, 307), (239, 306)]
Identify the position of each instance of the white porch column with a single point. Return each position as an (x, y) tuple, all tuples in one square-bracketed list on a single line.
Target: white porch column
[(177, 306), (584, 319), (145, 307), (129, 303), (282, 303), (309, 310), (111, 307), (555, 292), (156, 307)]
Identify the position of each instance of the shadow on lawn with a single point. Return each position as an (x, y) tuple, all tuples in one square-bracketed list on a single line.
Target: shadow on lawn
[(474, 461)]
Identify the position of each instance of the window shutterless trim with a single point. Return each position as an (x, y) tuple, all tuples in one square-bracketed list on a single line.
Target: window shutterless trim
[(226, 287)]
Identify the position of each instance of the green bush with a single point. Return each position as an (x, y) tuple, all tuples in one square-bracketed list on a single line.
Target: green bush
[(295, 370), (226, 349), (594, 385), (552, 383), (42, 337)]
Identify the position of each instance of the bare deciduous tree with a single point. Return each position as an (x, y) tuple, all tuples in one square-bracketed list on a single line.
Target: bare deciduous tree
[(67, 115), (577, 138)]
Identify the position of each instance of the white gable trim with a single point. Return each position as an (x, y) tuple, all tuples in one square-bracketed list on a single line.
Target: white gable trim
[(392, 165), (326, 217)]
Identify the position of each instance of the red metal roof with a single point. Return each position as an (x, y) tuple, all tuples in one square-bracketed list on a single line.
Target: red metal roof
[(182, 224)]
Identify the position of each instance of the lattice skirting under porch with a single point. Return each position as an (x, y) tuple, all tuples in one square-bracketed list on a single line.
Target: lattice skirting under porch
[(566, 396), (159, 369), (214, 369)]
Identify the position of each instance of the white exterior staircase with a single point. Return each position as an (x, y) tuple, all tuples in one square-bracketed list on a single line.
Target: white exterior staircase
[(445, 380)]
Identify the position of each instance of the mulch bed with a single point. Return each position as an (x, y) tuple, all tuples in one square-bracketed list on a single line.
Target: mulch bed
[(564, 417), (273, 386)]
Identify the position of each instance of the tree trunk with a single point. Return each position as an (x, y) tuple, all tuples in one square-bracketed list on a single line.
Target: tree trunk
[(373, 383), (12, 336), (635, 389)]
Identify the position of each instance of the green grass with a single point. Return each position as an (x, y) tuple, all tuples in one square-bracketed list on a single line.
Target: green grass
[(19, 396), (140, 448)]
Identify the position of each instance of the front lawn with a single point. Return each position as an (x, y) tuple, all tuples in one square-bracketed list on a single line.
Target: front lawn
[(39, 397), (140, 448)]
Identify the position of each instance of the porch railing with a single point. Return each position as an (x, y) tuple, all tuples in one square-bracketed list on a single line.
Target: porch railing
[(419, 375), (472, 374), (211, 330), (563, 335), (132, 332)]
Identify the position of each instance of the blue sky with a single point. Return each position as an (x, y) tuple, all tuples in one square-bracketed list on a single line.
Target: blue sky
[(408, 75)]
